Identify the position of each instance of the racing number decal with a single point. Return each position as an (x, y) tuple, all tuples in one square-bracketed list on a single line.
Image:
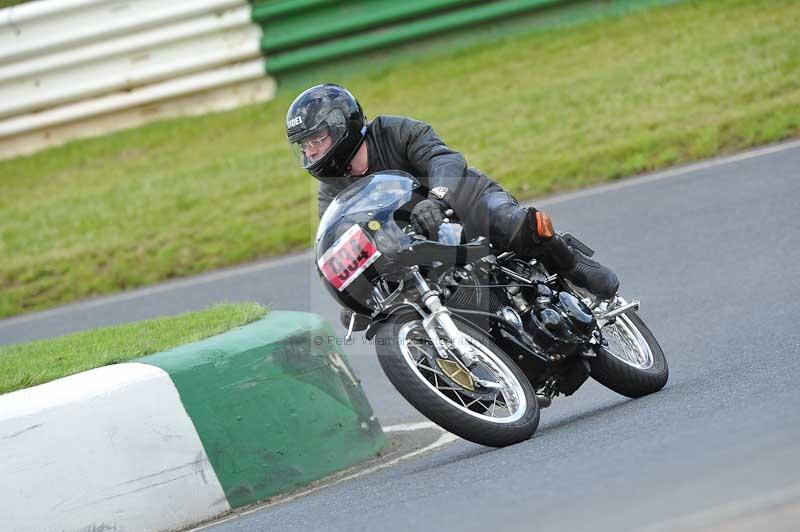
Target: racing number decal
[(352, 253)]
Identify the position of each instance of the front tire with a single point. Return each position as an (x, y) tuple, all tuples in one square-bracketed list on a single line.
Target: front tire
[(409, 359), (632, 364)]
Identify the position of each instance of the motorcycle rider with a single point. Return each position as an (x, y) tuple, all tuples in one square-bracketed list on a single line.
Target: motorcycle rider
[(331, 138)]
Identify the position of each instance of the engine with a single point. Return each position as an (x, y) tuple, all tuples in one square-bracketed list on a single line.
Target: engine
[(557, 320), (466, 290)]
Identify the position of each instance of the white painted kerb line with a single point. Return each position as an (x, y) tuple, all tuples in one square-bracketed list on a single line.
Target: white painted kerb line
[(110, 443)]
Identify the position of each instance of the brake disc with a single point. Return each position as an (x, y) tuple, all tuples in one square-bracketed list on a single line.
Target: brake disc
[(453, 374), (456, 373)]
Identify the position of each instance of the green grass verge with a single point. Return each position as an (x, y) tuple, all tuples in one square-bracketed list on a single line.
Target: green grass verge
[(540, 112), (29, 364), (9, 3)]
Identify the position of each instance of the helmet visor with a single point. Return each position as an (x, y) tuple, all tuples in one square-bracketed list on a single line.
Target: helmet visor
[(315, 146)]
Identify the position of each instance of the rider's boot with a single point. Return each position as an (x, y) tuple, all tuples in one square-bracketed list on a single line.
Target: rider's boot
[(600, 280), (589, 274)]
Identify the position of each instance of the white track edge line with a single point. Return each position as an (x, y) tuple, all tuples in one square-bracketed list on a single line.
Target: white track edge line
[(443, 439), (416, 425), (678, 171), (165, 287), (299, 257)]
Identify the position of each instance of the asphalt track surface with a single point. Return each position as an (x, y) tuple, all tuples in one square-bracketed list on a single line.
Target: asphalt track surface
[(713, 251)]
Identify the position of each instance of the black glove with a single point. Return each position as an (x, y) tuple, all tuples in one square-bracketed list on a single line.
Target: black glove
[(427, 216)]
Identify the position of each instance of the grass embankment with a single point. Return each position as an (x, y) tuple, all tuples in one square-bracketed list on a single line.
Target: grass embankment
[(33, 363), (9, 3), (540, 113)]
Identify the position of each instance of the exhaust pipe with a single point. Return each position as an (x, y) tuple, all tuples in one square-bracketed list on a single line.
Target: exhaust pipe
[(543, 400)]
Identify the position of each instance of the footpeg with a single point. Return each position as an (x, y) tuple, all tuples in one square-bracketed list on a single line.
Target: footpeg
[(349, 334), (620, 310)]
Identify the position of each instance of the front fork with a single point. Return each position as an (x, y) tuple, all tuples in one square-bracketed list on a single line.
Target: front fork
[(441, 316)]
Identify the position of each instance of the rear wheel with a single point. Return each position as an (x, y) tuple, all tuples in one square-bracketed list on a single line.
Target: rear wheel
[(631, 362), (449, 396)]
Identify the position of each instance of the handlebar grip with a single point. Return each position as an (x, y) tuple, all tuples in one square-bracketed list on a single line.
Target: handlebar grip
[(573, 242)]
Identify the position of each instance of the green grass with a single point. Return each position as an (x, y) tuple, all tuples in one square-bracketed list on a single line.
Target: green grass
[(540, 112), (9, 3), (24, 365)]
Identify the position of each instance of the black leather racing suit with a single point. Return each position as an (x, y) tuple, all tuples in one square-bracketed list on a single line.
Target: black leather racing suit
[(484, 208)]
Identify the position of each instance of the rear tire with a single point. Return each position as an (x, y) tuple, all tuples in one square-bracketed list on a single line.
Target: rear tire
[(419, 386), (626, 371)]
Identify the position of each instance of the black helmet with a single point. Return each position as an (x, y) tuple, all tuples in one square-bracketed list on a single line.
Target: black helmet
[(325, 126)]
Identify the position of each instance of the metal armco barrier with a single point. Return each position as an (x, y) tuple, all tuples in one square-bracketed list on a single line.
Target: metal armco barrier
[(301, 33), (71, 68), (76, 68)]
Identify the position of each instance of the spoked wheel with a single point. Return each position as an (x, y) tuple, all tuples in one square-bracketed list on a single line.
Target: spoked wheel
[(631, 362), (497, 414)]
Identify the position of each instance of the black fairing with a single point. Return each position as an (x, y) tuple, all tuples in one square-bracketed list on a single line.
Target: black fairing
[(371, 203), (375, 211)]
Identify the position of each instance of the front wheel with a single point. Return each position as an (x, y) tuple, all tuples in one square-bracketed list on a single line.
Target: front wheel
[(447, 395), (631, 362)]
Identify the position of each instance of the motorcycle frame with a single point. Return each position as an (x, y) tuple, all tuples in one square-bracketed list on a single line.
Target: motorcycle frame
[(565, 373)]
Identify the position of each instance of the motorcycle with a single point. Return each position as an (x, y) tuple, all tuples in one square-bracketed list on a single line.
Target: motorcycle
[(477, 340)]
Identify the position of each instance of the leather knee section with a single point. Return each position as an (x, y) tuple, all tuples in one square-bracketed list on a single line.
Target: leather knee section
[(509, 228), (500, 218)]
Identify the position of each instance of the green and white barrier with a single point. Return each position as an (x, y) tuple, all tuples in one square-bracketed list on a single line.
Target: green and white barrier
[(181, 436), (77, 68), (134, 61)]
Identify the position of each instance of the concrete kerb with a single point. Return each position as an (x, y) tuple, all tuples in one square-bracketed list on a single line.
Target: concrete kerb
[(179, 437)]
